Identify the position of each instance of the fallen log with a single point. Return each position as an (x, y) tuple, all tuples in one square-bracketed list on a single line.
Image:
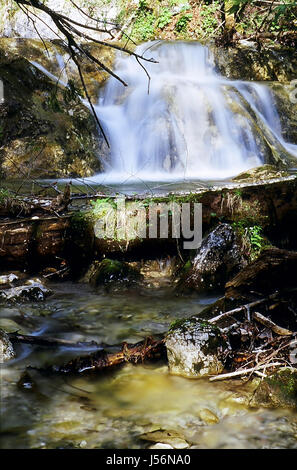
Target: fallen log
[(149, 349), (273, 270)]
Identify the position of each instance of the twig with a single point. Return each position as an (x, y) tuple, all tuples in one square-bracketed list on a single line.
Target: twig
[(242, 307), (270, 324), (237, 373)]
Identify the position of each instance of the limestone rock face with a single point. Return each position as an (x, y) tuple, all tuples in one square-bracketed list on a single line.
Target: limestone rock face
[(43, 134), (217, 259), (6, 349), (247, 63), (195, 349)]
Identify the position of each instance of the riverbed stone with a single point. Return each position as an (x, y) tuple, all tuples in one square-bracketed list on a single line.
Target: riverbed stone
[(110, 271), (6, 348), (168, 437), (33, 289), (278, 390), (195, 348)]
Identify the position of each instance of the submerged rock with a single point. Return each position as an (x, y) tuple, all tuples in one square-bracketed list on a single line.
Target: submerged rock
[(173, 439), (33, 289), (278, 390), (216, 261), (195, 349), (6, 348)]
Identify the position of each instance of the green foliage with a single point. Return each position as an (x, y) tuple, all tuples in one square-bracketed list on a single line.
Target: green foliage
[(164, 18), (53, 102), (144, 25), (182, 23), (71, 92), (209, 20)]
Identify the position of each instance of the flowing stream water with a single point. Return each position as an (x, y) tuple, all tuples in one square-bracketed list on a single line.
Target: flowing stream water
[(113, 410)]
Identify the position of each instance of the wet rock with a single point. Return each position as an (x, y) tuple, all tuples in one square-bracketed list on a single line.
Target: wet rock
[(10, 326), (246, 62), (26, 383), (208, 416), (8, 279), (278, 390), (161, 437), (33, 289), (6, 348), (216, 261), (111, 271), (160, 445), (195, 349)]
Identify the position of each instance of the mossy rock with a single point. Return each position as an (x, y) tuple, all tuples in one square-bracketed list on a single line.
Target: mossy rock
[(113, 271), (195, 348), (278, 390)]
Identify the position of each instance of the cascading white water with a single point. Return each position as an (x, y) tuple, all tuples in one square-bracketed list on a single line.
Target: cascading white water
[(193, 123)]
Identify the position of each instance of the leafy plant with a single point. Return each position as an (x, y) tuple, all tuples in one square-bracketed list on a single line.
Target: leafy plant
[(164, 18), (182, 23), (71, 92), (144, 25)]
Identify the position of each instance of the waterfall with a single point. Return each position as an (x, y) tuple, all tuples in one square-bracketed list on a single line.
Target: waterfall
[(193, 123)]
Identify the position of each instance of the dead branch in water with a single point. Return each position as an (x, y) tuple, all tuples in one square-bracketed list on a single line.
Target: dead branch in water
[(147, 350)]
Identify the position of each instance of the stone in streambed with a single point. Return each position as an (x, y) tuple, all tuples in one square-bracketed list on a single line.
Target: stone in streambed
[(110, 271), (161, 437), (208, 416), (33, 289), (6, 349), (195, 349)]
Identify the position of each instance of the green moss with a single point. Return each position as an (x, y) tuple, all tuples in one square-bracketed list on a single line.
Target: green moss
[(110, 270)]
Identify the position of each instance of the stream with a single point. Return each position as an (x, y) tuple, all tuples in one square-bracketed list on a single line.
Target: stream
[(113, 410)]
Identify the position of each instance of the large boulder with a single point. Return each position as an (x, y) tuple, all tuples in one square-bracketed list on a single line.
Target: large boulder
[(216, 261), (195, 349)]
